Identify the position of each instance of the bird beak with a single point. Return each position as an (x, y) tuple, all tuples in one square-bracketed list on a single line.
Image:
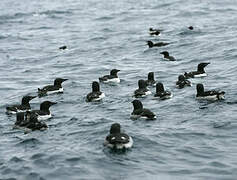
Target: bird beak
[(65, 80), (207, 64), (52, 103), (32, 97)]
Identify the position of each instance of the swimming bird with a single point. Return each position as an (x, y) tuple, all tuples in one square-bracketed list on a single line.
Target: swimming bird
[(63, 47), (190, 27), (161, 93), (199, 73), (51, 89), (159, 44), (30, 121), (140, 112), (154, 31), (151, 80), (118, 140), (182, 82), (43, 113), (208, 95), (113, 77), (142, 90), (24, 106), (96, 94), (167, 56)]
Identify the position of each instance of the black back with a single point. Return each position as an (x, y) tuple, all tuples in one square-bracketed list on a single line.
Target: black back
[(159, 88), (200, 89), (137, 104), (142, 84), (151, 76), (115, 128), (95, 86), (165, 53)]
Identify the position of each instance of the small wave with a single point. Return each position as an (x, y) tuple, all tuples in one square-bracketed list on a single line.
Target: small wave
[(221, 124), (30, 141), (104, 18)]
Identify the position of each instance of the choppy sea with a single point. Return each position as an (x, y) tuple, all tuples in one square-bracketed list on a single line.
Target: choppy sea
[(190, 140)]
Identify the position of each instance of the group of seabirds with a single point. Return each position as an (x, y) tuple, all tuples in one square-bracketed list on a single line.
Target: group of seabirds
[(31, 120)]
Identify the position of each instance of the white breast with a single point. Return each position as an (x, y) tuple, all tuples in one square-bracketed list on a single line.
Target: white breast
[(134, 117), (200, 75), (44, 117), (120, 146), (56, 91), (18, 111), (113, 80), (100, 97), (213, 97)]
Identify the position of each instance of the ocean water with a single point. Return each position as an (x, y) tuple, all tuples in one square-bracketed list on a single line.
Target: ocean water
[(190, 139)]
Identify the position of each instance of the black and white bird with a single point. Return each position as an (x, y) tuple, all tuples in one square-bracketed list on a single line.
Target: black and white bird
[(161, 93), (167, 56), (209, 95), (140, 112), (51, 89), (118, 140), (151, 80), (23, 107), (43, 113), (159, 44), (199, 73), (154, 32), (182, 82), (112, 78), (142, 90), (29, 121), (96, 94)]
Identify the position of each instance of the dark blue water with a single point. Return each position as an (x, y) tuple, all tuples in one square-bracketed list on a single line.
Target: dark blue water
[(189, 140)]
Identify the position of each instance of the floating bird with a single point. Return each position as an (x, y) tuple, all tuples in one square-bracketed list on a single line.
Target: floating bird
[(167, 56), (140, 112), (208, 95), (154, 31), (151, 80), (159, 44), (182, 82), (142, 90), (23, 107), (113, 77), (118, 140), (190, 27), (43, 113), (161, 93), (51, 89), (199, 73), (63, 47), (95, 95), (29, 120)]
